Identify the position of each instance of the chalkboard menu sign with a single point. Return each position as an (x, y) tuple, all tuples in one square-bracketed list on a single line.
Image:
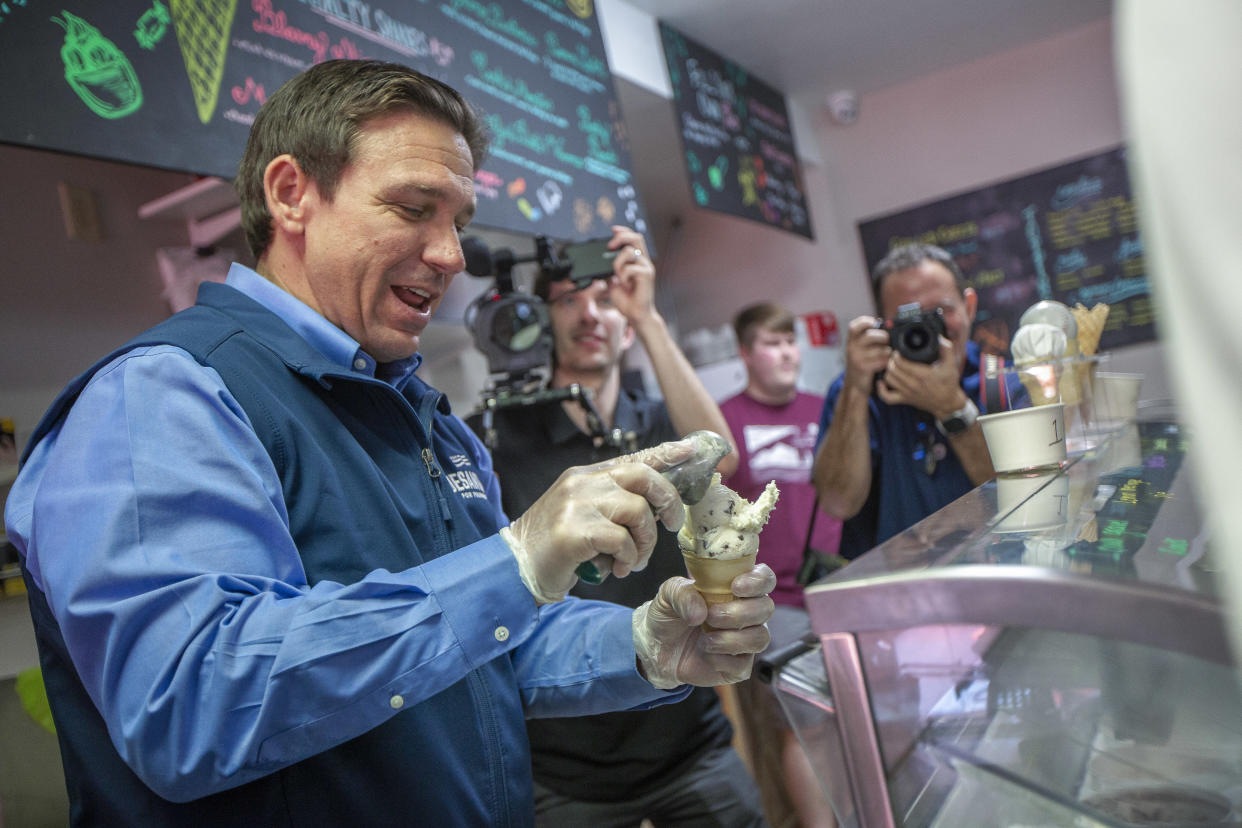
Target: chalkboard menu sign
[(1067, 233), (176, 84), (736, 136)]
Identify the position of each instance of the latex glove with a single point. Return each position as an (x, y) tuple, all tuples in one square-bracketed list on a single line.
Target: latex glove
[(606, 511), (674, 649)]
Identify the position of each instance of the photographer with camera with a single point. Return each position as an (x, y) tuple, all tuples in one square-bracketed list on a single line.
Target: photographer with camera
[(899, 433), (672, 764)]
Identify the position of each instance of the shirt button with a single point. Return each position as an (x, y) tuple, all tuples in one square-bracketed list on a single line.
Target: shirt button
[(502, 633), (396, 702), (360, 364)]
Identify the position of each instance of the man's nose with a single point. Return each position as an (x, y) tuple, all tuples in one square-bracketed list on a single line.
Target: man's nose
[(444, 253), (589, 308)]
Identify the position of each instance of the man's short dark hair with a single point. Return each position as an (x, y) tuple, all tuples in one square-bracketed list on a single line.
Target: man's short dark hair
[(544, 280), (316, 118), (764, 316), (906, 256)]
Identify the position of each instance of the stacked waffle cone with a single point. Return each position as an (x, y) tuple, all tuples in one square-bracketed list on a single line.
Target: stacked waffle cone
[(1090, 326)]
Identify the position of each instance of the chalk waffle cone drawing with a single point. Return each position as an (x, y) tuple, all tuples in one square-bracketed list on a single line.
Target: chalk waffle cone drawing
[(203, 28)]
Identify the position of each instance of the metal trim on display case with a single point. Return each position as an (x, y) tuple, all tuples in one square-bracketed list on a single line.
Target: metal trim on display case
[(1144, 613), (858, 733)]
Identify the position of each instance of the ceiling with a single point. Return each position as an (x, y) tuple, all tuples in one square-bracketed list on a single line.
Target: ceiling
[(810, 47)]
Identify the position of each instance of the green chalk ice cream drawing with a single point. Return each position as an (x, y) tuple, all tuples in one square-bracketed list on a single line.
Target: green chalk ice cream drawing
[(97, 70)]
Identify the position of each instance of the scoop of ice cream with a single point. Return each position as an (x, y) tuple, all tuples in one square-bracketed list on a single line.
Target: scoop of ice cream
[(724, 524), (1037, 342), (1051, 312)]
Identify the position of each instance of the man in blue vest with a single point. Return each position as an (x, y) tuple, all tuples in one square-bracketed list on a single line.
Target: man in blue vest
[(269, 574)]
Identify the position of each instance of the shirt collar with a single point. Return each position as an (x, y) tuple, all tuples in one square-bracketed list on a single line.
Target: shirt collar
[(561, 429), (337, 346)]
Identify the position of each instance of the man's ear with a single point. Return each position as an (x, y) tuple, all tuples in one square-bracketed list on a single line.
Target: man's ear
[(972, 304), (628, 339), (286, 188), (743, 354)]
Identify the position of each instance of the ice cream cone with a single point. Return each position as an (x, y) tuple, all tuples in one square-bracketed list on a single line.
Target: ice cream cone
[(1041, 383), (1090, 326), (1071, 377), (713, 577)]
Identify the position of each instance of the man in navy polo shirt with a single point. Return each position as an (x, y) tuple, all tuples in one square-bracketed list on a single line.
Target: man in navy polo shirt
[(897, 448)]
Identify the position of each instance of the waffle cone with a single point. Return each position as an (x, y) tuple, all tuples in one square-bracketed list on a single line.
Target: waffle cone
[(1038, 387), (1090, 326), (713, 577)]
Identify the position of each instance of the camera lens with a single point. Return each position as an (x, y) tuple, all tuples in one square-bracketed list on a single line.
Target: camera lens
[(517, 326), (915, 340)]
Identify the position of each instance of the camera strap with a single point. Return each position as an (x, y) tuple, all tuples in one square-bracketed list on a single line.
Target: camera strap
[(993, 391), (810, 557)]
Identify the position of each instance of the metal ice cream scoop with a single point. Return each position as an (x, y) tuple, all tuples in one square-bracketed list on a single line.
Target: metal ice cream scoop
[(691, 478)]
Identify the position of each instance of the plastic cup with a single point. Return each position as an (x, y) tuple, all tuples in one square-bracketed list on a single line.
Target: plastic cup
[(1123, 450), (1116, 395), (1026, 438), (1032, 502)]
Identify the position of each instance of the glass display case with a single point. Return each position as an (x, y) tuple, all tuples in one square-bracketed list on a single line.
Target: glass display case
[(1045, 651)]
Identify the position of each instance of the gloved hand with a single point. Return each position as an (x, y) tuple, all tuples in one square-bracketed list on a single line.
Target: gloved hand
[(603, 511), (674, 649)]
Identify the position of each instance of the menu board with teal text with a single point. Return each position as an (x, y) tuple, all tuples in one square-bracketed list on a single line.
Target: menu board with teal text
[(176, 84)]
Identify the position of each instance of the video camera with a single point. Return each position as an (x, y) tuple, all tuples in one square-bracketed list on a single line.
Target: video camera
[(915, 333), (512, 328)]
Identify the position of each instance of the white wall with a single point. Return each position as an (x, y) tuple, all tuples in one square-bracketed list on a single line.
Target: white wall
[(68, 302)]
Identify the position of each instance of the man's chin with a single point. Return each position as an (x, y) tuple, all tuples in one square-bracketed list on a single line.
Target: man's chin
[(394, 351)]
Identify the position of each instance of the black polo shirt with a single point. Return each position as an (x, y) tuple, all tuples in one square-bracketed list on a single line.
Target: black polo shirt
[(613, 756)]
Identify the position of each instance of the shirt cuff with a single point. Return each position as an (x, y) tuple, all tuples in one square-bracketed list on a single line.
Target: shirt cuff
[(480, 591)]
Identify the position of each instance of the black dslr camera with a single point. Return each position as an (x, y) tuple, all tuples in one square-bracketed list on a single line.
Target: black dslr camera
[(915, 333)]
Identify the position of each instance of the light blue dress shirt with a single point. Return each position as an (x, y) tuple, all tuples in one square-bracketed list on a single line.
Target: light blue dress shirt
[(153, 521)]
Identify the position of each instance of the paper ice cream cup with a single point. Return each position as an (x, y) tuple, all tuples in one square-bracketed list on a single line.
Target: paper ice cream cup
[(1026, 438), (713, 577), (1032, 502)]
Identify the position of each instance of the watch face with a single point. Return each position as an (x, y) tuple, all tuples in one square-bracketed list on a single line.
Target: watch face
[(956, 425)]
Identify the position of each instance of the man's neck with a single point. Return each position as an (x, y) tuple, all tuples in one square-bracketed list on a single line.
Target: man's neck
[(779, 396), (604, 387)]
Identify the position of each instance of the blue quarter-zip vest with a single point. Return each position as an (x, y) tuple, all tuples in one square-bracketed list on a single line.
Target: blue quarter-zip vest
[(361, 468)]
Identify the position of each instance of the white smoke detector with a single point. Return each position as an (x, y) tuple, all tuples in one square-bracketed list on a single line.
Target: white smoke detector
[(843, 106)]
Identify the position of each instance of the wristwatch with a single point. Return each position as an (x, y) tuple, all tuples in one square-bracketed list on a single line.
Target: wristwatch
[(959, 420)]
